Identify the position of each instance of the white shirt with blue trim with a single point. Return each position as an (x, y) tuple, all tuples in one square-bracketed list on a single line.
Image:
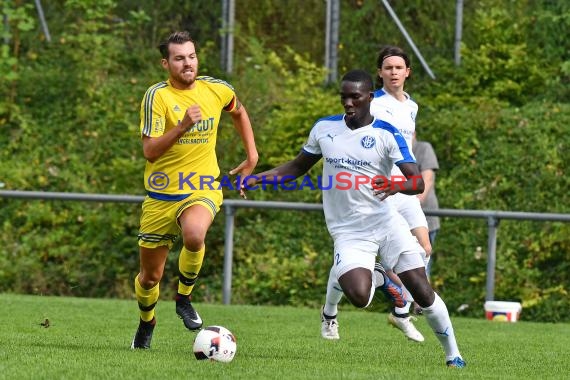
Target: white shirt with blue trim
[(400, 114), (351, 159)]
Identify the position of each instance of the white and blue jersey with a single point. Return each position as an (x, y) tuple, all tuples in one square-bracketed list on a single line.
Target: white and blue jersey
[(401, 114), (352, 158)]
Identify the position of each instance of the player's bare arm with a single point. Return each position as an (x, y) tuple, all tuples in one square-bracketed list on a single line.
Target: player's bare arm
[(428, 176), (413, 184), (155, 147), (291, 170), (242, 125)]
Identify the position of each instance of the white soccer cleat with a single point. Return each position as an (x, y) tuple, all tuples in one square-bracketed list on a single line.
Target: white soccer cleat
[(407, 327), (329, 328)]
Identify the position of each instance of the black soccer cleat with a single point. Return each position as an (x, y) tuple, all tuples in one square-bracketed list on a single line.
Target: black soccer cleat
[(143, 336), (186, 312)]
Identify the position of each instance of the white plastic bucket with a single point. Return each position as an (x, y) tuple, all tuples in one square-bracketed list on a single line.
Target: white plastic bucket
[(503, 311)]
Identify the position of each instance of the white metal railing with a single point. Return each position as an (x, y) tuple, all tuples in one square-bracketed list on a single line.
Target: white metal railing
[(231, 206)]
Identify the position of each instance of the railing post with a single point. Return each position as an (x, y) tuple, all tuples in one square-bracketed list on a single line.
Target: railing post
[(492, 223), (228, 254)]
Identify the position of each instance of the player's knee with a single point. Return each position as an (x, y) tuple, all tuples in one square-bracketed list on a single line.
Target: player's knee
[(358, 298), (149, 280), (417, 284), (359, 301), (424, 296), (193, 241), (194, 246)]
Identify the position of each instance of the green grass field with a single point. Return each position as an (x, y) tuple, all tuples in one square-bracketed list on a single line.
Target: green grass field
[(90, 338)]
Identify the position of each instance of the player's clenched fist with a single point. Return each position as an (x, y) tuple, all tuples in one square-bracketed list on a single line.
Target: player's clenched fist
[(192, 116)]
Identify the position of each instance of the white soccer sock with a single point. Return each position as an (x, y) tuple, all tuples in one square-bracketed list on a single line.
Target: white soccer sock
[(403, 310), (373, 287), (372, 290), (334, 295), (437, 317), (377, 279)]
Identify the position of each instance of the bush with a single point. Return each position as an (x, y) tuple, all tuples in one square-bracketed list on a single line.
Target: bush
[(70, 112)]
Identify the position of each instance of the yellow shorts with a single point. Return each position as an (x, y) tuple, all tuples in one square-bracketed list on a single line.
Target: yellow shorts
[(159, 220)]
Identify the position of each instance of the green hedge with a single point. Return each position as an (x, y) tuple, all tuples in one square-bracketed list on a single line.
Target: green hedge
[(69, 112)]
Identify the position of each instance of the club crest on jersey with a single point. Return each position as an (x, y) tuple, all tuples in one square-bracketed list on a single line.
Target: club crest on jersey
[(368, 142)]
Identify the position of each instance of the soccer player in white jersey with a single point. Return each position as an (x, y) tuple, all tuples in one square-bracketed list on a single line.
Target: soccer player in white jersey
[(393, 104), (359, 152)]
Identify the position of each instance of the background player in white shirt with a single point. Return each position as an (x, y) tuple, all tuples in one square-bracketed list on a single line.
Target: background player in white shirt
[(393, 104), (357, 149)]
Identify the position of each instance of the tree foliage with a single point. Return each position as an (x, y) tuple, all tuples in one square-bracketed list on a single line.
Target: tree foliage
[(69, 114)]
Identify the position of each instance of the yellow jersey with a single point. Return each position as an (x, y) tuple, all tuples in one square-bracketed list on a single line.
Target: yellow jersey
[(191, 163)]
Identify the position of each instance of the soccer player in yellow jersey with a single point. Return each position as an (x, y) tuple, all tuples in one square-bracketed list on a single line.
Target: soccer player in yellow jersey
[(179, 125)]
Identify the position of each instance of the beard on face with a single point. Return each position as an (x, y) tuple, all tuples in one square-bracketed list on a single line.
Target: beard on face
[(186, 79)]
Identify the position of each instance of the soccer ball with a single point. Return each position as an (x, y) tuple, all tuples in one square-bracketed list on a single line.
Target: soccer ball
[(215, 343)]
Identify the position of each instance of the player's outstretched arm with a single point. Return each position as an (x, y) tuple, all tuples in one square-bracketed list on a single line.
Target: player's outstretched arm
[(286, 172), (242, 125)]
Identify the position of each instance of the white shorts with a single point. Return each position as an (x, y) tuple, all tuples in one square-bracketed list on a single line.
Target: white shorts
[(399, 250), (410, 208)]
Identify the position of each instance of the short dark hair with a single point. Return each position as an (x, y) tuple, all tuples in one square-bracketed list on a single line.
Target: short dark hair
[(174, 38), (359, 75), (390, 51)]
